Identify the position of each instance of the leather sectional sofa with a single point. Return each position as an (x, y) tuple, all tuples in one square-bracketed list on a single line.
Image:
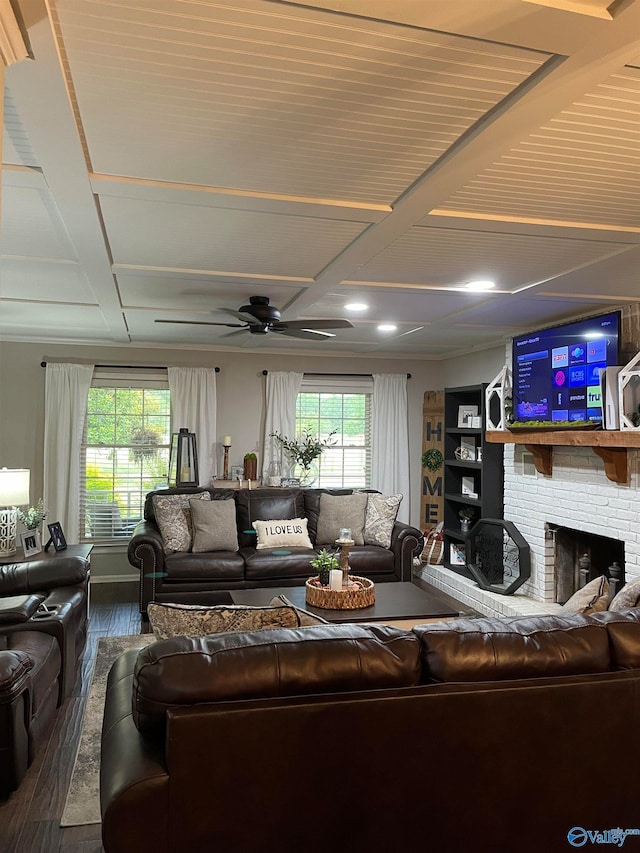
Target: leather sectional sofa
[(186, 577), (491, 735), (43, 629)]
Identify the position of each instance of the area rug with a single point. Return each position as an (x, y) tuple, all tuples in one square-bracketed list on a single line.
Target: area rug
[(83, 798)]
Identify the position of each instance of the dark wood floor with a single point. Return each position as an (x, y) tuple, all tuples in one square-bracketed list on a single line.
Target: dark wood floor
[(30, 818)]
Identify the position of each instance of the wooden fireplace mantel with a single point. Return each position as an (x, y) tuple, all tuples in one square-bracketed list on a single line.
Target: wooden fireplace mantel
[(610, 445)]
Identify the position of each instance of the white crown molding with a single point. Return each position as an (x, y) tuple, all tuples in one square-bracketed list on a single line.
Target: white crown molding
[(12, 44)]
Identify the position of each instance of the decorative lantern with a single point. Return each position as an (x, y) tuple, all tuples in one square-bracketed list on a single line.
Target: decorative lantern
[(183, 461)]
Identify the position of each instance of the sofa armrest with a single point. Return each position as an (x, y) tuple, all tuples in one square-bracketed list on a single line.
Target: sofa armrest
[(406, 542), (14, 674), (146, 553), (41, 575)]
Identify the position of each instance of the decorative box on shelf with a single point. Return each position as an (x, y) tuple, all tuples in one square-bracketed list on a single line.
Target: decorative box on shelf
[(360, 593)]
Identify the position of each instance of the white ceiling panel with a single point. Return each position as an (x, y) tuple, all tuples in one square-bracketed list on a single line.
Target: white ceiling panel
[(584, 165), (197, 294), (204, 238), (31, 224), (16, 148), (453, 257), (44, 282), (386, 304), (261, 96), (27, 319)]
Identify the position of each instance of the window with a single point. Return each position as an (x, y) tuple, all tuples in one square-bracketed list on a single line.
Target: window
[(344, 406), (125, 450)]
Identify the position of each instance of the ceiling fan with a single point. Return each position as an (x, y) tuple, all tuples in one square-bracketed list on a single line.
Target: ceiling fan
[(259, 318)]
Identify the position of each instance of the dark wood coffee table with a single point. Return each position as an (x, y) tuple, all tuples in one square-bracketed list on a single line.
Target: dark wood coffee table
[(400, 604)]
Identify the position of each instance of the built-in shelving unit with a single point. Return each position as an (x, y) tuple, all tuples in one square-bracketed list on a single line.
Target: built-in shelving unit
[(484, 475), (610, 445)]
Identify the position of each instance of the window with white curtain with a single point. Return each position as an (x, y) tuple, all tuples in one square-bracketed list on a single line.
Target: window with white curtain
[(125, 450), (344, 405)]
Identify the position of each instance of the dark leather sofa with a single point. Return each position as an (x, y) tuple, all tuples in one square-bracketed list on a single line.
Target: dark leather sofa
[(43, 629), (487, 735), (198, 578)]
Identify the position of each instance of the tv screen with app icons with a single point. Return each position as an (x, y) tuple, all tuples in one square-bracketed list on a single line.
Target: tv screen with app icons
[(556, 371)]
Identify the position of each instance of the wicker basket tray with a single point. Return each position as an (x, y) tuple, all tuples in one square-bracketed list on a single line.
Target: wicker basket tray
[(362, 595)]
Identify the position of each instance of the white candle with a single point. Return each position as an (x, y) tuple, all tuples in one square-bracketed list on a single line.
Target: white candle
[(335, 579), (226, 441)]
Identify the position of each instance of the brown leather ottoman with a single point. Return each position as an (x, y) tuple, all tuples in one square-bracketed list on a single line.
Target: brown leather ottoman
[(30, 665)]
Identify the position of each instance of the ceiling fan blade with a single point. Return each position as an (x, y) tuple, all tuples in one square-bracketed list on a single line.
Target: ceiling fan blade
[(315, 324), (235, 334), (247, 318), (201, 323), (304, 334)]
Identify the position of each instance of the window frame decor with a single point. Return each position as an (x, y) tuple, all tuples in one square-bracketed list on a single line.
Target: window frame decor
[(330, 474), (137, 466)]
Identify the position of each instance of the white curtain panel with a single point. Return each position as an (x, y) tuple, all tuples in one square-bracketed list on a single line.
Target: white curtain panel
[(390, 439), (280, 416), (193, 405), (65, 406)]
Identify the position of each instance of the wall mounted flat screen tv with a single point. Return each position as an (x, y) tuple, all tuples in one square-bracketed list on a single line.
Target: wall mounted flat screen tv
[(556, 372)]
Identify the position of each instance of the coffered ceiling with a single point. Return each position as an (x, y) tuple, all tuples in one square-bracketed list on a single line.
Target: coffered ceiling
[(166, 159)]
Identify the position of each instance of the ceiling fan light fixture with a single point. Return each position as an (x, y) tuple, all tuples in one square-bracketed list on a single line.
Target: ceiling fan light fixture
[(480, 284), (387, 327), (356, 306)]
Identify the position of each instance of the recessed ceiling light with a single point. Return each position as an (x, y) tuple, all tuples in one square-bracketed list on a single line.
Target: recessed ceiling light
[(480, 284), (356, 306), (387, 327)]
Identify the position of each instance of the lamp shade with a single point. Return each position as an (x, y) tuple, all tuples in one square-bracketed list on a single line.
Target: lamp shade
[(14, 486)]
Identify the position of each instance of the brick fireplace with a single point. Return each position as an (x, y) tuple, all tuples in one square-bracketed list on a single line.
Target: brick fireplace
[(577, 495)]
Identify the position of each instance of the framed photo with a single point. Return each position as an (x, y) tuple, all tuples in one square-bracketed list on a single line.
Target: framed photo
[(476, 422), (237, 472), (457, 556), (468, 487), (466, 414), (30, 541), (57, 536)]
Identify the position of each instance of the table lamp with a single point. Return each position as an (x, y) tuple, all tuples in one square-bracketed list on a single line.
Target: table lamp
[(14, 492)]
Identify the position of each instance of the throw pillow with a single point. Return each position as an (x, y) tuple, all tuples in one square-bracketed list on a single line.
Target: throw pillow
[(338, 511), (194, 620), (173, 517), (282, 533), (380, 518), (214, 525), (629, 596), (304, 617), (593, 597)]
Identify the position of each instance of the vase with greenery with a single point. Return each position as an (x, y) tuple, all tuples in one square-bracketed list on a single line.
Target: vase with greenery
[(323, 563), (34, 516), (250, 462), (303, 451)]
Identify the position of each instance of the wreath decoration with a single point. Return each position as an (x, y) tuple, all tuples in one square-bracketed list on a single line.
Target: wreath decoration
[(432, 459)]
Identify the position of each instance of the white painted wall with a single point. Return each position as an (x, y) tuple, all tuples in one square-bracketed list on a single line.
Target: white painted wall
[(240, 385)]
